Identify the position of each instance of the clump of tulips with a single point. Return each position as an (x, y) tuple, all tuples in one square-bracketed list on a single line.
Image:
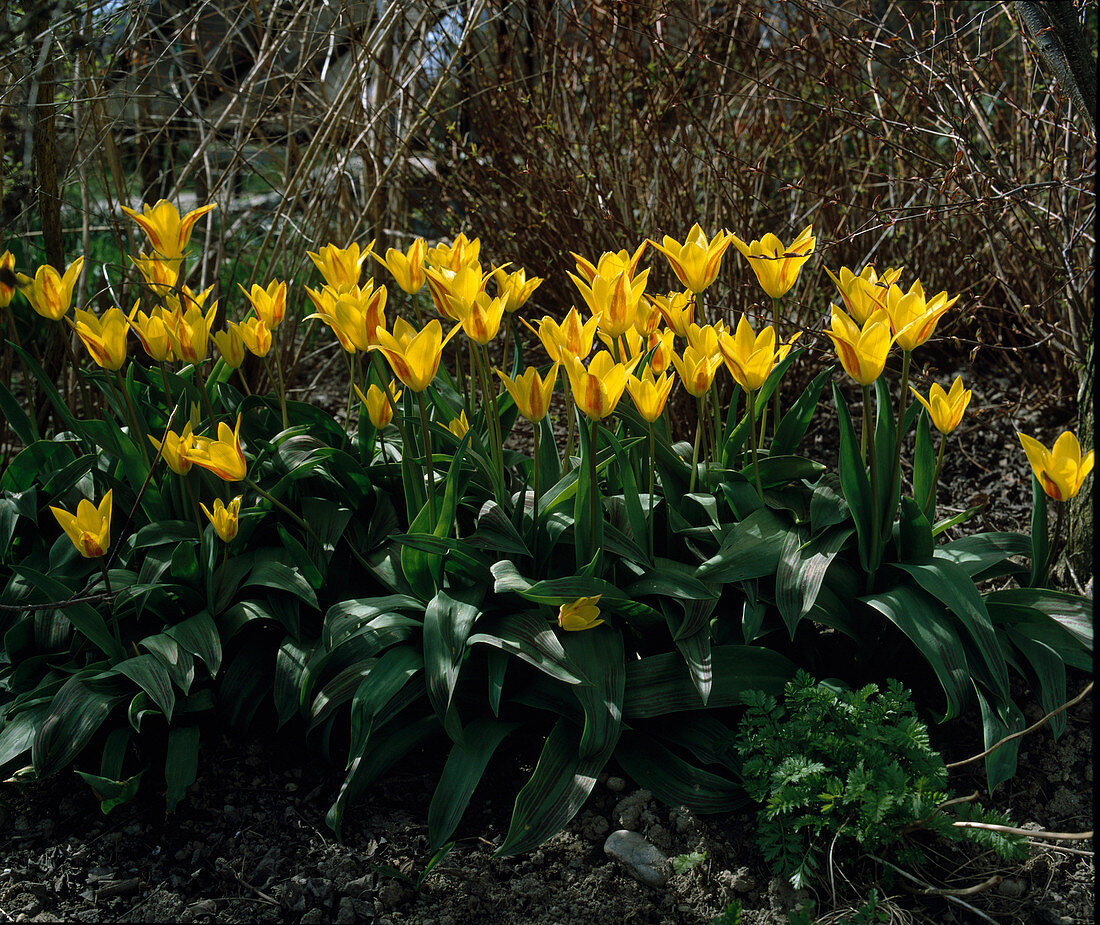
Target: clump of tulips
[(408, 576)]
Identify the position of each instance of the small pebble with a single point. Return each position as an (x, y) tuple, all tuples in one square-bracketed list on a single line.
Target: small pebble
[(616, 784), (644, 861)]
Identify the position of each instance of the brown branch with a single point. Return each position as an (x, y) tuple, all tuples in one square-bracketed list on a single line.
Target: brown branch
[(1012, 830)]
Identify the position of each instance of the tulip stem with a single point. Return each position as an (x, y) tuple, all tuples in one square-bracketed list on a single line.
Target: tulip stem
[(102, 560), (775, 395), (535, 510), (876, 523), (695, 453), (567, 458), (282, 386), (652, 466), (751, 402), (707, 452), (895, 471), (594, 494), (930, 500), (430, 465), (139, 435)]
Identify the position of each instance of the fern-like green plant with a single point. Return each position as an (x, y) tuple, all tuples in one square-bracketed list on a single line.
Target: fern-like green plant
[(850, 766)]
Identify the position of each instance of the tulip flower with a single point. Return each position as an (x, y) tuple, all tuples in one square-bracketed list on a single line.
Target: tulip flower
[(678, 310), (614, 300), (379, 409), (697, 369), (597, 390), (175, 449), (191, 333), (572, 338), (750, 357), (865, 293), (913, 318), (167, 232), (610, 264), (459, 426), (1060, 470), (481, 319), (414, 357), (161, 274), (230, 345), (89, 528), (325, 303), (406, 268), (704, 338), (862, 351), (223, 456), (152, 331), (696, 261), (105, 337), (515, 288), (649, 394), (455, 291), (50, 293), (269, 302), (224, 518), (531, 392), (648, 317), (255, 334), (582, 614), (776, 267), (8, 279), (454, 256), (661, 343), (340, 266), (945, 408)]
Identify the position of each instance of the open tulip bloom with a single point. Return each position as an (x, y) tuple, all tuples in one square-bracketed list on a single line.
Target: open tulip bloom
[(597, 390), (531, 392), (414, 356), (224, 517), (751, 357), (105, 337), (89, 528), (776, 267), (614, 300), (341, 266), (945, 408), (50, 293), (167, 232), (913, 318), (581, 614), (866, 293), (224, 456), (862, 350), (696, 262), (406, 268), (1062, 469), (269, 302), (610, 264)]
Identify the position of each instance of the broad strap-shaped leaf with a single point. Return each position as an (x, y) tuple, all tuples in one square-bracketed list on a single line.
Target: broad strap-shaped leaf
[(465, 765), (178, 662), (84, 618), (921, 618), (598, 653), (1049, 671), (1070, 611), (913, 532), (345, 618), (660, 684), (152, 677), (949, 584), (76, 712), (560, 784), (529, 637), (635, 515), (447, 623), (673, 579), (495, 532), (673, 780), (827, 504), (752, 549), (854, 482), (796, 421), (984, 555), (377, 690), (274, 573), (181, 764), (199, 636), (886, 504), (1000, 719), (1040, 542), (801, 571), (558, 591), (782, 470)]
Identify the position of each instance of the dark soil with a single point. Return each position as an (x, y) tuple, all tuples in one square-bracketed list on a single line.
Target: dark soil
[(250, 843)]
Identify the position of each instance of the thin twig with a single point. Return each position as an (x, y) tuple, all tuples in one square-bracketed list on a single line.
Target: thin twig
[(1012, 830), (930, 890)]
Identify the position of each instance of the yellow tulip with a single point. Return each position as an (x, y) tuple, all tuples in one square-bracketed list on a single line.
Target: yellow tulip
[(945, 408), (459, 426), (597, 390), (776, 267), (865, 293), (152, 331), (325, 303), (697, 369), (340, 266), (582, 614), (223, 456), (89, 528), (191, 333), (378, 406), (1060, 470), (649, 394), (704, 338), (255, 334), (355, 316), (572, 338), (50, 293), (531, 392), (7, 278), (230, 345), (750, 357), (661, 343), (454, 256), (224, 518), (455, 291), (481, 319), (648, 318), (269, 302), (614, 300), (515, 288), (862, 351), (678, 310), (610, 264), (105, 337), (696, 261), (161, 274), (912, 317), (414, 357), (167, 232), (407, 268), (175, 449)]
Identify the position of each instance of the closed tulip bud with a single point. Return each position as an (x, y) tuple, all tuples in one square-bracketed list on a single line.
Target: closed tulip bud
[(678, 310), (649, 394), (223, 517), (379, 408), (862, 350), (256, 336), (1061, 470), (175, 449), (224, 456), (945, 408), (105, 337), (697, 369), (459, 426), (661, 343), (8, 279), (167, 232), (89, 528), (515, 288), (50, 293), (407, 269), (190, 335), (531, 392), (776, 267), (582, 614), (269, 302), (230, 345), (481, 320), (152, 331)]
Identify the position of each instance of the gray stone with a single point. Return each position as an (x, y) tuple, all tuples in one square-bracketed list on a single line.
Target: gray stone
[(644, 861), (616, 784)]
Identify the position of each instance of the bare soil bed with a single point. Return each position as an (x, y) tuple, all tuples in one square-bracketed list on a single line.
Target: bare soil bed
[(250, 843)]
